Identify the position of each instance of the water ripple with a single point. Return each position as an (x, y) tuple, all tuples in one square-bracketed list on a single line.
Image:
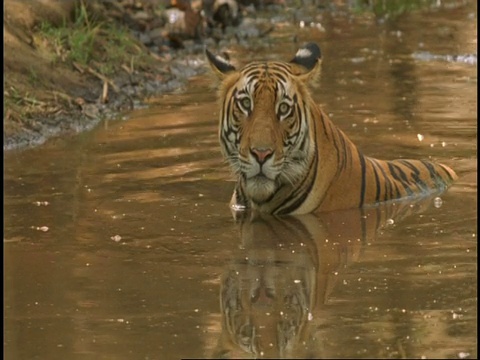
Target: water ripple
[(470, 59)]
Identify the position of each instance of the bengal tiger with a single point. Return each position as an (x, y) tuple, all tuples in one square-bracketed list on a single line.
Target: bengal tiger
[(275, 291), (288, 156)]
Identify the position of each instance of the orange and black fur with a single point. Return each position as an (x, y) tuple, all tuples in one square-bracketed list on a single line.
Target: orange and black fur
[(288, 156)]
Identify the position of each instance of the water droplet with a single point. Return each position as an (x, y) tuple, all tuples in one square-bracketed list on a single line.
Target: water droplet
[(41, 203), (236, 207), (116, 238), (437, 202)]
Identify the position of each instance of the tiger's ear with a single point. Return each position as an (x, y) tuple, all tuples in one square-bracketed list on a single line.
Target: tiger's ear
[(221, 66), (309, 58)]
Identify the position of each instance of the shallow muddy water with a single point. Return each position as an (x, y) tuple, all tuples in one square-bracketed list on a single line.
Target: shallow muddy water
[(119, 243)]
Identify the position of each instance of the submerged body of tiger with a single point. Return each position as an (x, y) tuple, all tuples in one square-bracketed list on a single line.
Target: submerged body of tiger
[(290, 158)]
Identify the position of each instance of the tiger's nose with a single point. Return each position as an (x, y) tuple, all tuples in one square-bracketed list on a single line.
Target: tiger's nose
[(261, 154)]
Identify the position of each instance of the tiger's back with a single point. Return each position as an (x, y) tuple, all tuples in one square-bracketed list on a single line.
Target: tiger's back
[(289, 157), (362, 180)]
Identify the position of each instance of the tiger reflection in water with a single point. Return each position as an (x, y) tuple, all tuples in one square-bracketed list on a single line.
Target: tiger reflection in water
[(273, 291)]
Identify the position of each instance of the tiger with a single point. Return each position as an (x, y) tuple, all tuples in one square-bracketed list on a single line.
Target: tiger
[(274, 293), (289, 157)]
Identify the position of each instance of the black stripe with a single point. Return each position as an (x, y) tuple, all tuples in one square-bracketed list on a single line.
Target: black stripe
[(431, 170), (377, 181), (281, 77), (305, 137), (363, 185), (434, 175), (415, 175), (300, 189), (388, 194), (240, 197), (254, 73), (335, 144), (400, 177), (392, 173), (256, 86), (324, 126), (274, 65)]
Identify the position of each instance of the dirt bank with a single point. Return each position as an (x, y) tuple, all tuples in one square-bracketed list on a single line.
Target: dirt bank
[(70, 63)]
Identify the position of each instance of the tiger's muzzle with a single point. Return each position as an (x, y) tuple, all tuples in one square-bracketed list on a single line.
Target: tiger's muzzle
[(261, 174)]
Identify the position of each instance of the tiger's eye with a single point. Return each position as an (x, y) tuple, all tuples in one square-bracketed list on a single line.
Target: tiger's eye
[(245, 103), (283, 109)]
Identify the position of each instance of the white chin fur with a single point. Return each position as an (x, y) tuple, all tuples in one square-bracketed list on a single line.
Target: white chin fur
[(259, 189)]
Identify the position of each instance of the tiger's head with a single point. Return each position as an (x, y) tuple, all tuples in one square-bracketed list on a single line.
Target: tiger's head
[(265, 130)]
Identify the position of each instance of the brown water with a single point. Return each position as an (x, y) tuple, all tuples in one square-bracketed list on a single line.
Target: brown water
[(119, 243)]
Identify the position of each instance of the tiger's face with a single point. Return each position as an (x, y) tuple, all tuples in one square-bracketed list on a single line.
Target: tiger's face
[(264, 130), (271, 145)]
